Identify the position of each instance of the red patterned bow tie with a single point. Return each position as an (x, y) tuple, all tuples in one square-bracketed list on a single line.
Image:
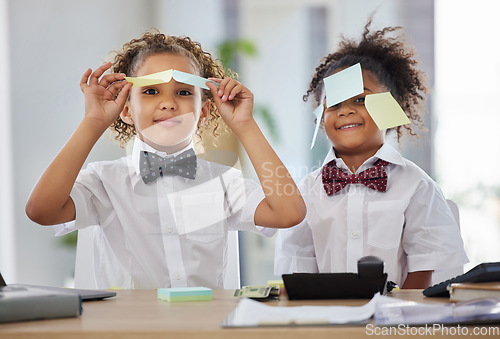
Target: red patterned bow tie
[(335, 179)]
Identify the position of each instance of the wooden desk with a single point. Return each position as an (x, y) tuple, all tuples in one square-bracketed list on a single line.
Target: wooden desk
[(139, 314)]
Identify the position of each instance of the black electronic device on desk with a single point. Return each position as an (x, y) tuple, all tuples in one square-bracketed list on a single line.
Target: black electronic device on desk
[(481, 273), (369, 280)]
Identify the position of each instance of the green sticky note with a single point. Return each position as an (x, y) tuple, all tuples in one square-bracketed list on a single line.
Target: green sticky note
[(343, 85), (385, 110), (318, 113)]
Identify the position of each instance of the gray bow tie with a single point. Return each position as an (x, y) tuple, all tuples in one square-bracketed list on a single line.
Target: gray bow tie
[(154, 166)]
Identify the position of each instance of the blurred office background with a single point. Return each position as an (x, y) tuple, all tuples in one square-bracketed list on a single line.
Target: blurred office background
[(46, 45)]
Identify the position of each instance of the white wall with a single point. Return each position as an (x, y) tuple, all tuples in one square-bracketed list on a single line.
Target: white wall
[(467, 143), (6, 188), (52, 42), (201, 20)]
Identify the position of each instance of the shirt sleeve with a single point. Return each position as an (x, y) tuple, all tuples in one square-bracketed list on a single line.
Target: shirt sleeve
[(431, 237), (91, 200), (294, 247), (86, 190), (294, 250), (243, 197)]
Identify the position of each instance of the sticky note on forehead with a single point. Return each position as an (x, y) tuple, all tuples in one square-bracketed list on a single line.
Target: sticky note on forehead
[(385, 110), (343, 85), (166, 76)]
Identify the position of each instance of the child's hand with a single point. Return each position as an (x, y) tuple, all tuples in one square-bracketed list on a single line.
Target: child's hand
[(233, 100), (100, 102)]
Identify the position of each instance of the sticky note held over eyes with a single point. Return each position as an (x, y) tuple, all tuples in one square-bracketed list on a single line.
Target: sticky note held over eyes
[(166, 76), (343, 85), (385, 110)]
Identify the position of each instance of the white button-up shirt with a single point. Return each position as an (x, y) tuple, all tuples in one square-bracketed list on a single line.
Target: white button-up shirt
[(410, 226), (169, 233)]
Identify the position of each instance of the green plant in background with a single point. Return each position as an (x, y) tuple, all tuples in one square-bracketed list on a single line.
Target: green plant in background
[(69, 239), (228, 51)]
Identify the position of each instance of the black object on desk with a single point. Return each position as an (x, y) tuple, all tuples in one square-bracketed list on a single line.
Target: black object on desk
[(369, 280), (484, 272)]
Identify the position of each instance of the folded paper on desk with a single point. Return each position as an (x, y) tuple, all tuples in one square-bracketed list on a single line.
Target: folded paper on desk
[(251, 313), (387, 311)]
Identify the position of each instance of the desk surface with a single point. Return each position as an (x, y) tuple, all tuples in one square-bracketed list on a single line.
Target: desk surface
[(139, 314)]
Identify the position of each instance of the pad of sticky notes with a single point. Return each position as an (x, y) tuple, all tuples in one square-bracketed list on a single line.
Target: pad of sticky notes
[(185, 294), (276, 283)]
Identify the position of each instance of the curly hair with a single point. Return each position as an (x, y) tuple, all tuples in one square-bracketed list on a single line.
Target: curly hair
[(133, 53), (389, 60)]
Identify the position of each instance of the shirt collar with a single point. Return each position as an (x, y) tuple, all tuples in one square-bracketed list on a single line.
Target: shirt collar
[(386, 152)]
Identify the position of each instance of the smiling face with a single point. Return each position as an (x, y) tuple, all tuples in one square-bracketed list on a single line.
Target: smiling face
[(165, 115), (349, 126)]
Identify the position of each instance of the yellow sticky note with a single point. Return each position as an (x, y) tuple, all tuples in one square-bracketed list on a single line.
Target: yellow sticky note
[(385, 110), (278, 283), (166, 76), (140, 82), (151, 79)]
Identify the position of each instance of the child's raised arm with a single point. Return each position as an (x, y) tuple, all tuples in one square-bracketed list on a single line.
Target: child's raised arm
[(50, 203), (283, 205)]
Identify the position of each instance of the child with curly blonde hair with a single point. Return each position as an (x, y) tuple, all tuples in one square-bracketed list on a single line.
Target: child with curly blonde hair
[(162, 214), (367, 199)]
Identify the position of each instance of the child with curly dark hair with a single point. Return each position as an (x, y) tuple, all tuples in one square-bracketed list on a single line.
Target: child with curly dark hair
[(367, 199), (161, 214)]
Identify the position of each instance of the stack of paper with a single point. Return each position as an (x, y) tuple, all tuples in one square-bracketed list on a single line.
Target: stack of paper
[(250, 313), (386, 311)]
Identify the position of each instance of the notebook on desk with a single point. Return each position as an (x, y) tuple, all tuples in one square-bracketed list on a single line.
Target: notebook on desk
[(85, 295), (484, 272)]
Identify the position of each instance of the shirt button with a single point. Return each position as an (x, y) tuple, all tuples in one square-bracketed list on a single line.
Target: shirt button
[(170, 229), (355, 235), (178, 276)]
